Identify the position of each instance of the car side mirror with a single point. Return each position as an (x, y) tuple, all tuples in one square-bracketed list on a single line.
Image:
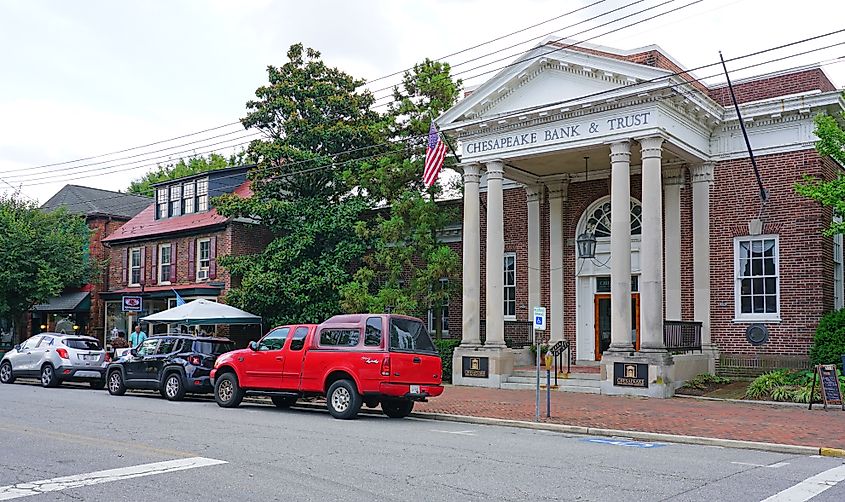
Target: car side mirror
[(18, 347), (253, 345), (134, 352)]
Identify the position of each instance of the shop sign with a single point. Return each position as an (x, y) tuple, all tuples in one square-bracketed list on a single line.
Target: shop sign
[(475, 367), (132, 304), (829, 380), (630, 375)]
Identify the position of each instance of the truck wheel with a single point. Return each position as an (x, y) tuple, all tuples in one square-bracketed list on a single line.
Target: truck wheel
[(397, 408), (173, 389), (227, 392), (283, 401), (343, 400), (116, 385), (6, 375), (48, 376)]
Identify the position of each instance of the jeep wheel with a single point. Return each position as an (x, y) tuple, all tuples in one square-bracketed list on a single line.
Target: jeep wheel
[(227, 392), (48, 376), (6, 375), (283, 401), (173, 389), (397, 408), (116, 385), (97, 384), (343, 400)]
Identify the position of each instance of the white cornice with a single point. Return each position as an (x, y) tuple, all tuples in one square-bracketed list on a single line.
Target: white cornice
[(779, 106)]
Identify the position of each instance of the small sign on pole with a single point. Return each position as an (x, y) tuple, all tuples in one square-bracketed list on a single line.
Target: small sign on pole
[(539, 318)]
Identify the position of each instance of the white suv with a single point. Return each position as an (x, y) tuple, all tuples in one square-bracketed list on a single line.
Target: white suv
[(56, 357)]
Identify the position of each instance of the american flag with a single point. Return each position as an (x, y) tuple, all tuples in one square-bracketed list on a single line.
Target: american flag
[(435, 152)]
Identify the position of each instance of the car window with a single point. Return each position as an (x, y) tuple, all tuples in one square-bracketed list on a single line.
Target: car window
[(46, 341), (298, 340), (167, 346), (274, 340), (148, 348), (30, 342), (409, 335), (213, 348), (372, 335), (334, 337), (82, 344)]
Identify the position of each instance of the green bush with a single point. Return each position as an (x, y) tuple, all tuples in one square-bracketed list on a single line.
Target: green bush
[(829, 342), (445, 348), (702, 381), (784, 385)]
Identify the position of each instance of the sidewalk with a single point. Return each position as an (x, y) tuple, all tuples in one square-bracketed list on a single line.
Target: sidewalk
[(678, 416)]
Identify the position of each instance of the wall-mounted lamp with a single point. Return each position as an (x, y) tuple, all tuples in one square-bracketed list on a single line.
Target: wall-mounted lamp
[(586, 241)]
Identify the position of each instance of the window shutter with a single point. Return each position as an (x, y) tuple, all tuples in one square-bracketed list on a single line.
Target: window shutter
[(143, 274), (126, 266), (192, 271), (173, 261), (212, 258), (154, 275)]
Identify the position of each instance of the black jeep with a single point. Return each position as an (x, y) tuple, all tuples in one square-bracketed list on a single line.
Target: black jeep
[(172, 364)]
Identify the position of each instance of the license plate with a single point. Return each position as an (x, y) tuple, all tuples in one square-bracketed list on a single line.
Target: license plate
[(91, 357), (415, 389)]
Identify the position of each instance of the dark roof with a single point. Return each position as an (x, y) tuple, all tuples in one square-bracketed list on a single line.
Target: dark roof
[(225, 172), (74, 301), (146, 225), (89, 201)]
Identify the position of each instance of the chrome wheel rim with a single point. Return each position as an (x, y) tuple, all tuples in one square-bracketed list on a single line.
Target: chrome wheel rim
[(5, 373), (114, 382), (172, 386), (225, 390), (46, 375), (340, 399)]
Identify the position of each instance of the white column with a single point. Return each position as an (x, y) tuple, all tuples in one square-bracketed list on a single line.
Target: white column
[(471, 307), (533, 195), (495, 320), (557, 196), (673, 179), (651, 247), (620, 247), (701, 177)]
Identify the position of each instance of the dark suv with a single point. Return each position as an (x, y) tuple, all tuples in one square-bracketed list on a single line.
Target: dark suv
[(172, 364)]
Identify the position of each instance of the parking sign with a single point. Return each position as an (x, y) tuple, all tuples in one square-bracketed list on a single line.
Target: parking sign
[(539, 318)]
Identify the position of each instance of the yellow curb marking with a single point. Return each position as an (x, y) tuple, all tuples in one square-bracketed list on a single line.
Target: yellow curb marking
[(832, 452)]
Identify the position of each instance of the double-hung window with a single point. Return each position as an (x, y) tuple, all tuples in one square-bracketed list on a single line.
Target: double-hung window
[(135, 266), (164, 261), (202, 194), (175, 200), (838, 300), (203, 258), (161, 202), (510, 285), (444, 310), (757, 278), (188, 194)]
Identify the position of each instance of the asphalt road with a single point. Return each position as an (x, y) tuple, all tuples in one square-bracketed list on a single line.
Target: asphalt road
[(257, 452)]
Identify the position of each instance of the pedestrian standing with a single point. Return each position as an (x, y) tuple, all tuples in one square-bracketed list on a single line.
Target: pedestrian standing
[(137, 337)]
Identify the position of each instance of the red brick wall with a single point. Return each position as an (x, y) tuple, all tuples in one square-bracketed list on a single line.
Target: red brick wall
[(101, 227), (779, 85)]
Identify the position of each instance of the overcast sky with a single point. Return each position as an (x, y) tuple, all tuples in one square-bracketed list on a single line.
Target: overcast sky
[(84, 78)]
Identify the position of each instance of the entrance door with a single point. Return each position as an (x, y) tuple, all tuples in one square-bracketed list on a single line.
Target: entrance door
[(602, 325)]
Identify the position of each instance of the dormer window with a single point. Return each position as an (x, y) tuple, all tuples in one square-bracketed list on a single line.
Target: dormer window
[(161, 203), (182, 198), (188, 194), (202, 194), (175, 200)]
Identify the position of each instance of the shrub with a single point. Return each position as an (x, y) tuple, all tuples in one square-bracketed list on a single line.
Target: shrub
[(762, 386), (445, 348), (784, 385), (704, 380), (829, 341)]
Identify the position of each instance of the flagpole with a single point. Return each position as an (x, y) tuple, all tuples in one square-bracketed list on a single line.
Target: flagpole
[(445, 139)]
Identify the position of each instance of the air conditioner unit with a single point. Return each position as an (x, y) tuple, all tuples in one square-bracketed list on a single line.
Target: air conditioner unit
[(202, 274)]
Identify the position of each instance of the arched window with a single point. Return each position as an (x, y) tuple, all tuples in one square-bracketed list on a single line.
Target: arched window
[(598, 219)]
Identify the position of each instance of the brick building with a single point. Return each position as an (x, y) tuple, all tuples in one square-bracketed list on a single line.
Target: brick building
[(627, 150), (104, 212), (172, 246)]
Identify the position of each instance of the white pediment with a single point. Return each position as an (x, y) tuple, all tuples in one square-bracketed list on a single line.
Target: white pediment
[(549, 75)]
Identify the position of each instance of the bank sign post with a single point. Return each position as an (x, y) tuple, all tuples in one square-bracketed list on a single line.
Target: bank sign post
[(538, 325)]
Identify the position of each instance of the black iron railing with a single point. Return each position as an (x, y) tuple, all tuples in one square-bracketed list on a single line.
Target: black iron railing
[(557, 351), (682, 336)]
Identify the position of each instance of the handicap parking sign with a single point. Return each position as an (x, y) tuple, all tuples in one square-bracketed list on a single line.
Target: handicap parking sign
[(539, 318)]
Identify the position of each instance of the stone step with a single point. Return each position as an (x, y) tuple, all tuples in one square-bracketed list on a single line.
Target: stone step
[(572, 376), (561, 382), (572, 388)]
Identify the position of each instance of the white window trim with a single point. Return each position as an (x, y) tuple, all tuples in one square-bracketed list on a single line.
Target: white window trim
[(160, 264), (504, 286), (739, 317), (198, 267), (129, 265)]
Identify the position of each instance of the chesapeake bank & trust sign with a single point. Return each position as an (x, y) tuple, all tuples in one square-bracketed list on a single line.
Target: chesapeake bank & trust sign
[(561, 133)]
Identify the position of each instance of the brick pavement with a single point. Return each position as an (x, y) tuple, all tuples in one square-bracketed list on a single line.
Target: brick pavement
[(683, 416)]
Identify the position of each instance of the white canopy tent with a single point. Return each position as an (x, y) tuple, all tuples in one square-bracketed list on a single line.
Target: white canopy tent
[(203, 311)]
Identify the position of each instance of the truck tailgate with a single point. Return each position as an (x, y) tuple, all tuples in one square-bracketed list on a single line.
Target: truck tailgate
[(415, 368)]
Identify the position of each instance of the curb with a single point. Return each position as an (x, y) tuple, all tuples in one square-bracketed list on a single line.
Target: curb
[(597, 431), (746, 401)]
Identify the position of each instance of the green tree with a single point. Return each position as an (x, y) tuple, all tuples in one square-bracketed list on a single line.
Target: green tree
[(313, 116), (180, 169), (407, 261), (829, 193), (41, 253)]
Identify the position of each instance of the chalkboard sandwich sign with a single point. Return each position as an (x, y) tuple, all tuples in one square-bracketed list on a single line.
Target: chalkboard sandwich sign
[(829, 381)]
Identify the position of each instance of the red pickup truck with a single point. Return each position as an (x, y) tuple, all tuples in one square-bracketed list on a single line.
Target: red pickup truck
[(351, 359)]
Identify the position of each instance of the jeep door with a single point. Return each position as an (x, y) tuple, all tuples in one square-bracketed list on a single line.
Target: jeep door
[(263, 367), (136, 367), (413, 357)]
